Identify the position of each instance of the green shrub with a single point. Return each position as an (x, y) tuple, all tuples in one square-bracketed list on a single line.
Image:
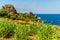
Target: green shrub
[(33, 29), (45, 32), (6, 27), (21, 32), (13, 17), (42, 31), (3, 13)]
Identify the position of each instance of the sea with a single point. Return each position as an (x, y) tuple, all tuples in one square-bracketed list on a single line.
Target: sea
[(50, 18)]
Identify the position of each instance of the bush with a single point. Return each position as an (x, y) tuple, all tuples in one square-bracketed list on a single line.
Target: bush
[(42, 31), (6, 27), (3, 13), (13, 17), (21, 32), (33, 29), (45, 32)]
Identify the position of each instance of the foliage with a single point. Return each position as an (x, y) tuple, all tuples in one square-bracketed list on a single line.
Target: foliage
[(22, 32), (33, 29), (6, 27), (13, 17), (18, 16), (45, 32), (3, 13)]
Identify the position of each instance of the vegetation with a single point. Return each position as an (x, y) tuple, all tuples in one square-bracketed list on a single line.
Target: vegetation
[(3, 13), (45, 32), (22, 32), (6, 28), (10, 12), (25, 17), (37, 31)]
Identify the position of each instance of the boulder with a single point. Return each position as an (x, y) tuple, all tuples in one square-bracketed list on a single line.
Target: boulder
[(31, 14), (9, 8)]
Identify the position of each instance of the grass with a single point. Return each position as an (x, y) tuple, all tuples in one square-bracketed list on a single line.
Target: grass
[(23, 32), (6, 27), (45, 32)]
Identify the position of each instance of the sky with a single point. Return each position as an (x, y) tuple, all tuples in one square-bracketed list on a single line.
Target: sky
[(35, 6)]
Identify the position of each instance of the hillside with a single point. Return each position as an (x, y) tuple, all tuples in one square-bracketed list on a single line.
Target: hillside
[(8, 11)]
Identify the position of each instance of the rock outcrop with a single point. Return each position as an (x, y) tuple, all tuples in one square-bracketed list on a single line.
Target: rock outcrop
[(31, 14), (10, 12), (9, 8)]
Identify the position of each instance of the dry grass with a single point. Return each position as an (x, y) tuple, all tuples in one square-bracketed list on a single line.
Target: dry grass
[(6, 39)]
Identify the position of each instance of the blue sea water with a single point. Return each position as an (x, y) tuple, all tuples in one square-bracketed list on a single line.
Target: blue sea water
[(50, 18)]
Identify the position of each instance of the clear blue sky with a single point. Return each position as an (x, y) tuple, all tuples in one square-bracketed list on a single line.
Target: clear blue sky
[(36, 6)]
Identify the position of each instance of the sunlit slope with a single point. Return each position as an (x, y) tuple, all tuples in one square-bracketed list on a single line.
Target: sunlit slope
[(32, 31)]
